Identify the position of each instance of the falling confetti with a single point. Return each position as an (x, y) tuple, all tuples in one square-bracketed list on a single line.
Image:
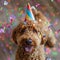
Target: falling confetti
[(52, 0), (5, 3), (54, 53), (11, 12)]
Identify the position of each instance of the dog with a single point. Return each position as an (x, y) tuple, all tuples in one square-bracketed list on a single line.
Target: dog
[(32, 36)]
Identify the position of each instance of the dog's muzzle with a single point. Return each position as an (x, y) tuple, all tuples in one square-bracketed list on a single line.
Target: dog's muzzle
[(28, 47)]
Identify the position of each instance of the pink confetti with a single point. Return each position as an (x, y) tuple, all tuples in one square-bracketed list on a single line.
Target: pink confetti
[(8, 58), (48, 51), (57, 31), (37, 4), (7, 45), (58, 1), (55, 23), (2, 30)]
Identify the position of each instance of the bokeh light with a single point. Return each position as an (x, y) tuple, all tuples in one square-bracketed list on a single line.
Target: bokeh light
[(11, 11)]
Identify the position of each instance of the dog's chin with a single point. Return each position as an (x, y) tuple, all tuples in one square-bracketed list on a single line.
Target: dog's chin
[(28, 49)]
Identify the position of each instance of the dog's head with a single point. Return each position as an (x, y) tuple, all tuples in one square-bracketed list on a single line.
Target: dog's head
[(27, 36)]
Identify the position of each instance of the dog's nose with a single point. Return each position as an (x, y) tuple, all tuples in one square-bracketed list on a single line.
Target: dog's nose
[(28, 42)]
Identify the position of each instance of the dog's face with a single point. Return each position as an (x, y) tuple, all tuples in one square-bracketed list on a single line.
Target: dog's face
[(29, 34), (26, 35)]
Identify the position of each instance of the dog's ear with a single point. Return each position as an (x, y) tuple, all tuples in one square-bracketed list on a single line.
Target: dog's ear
[(51, 40), (14, 35), (19, 29)]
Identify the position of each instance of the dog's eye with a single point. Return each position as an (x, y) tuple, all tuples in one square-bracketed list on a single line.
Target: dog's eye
[(34, 30), (23, 30)]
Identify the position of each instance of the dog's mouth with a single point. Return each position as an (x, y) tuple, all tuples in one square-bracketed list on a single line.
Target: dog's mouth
[(28, 49)]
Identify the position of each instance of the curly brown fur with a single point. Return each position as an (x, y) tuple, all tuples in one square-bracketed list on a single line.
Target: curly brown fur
[(31, 37), (45, 28)]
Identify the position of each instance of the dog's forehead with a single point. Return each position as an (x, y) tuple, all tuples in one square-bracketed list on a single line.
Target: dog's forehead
[(27, 23), (27, 26)]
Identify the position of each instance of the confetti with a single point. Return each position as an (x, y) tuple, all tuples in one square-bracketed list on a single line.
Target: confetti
[(11, 12), (48, 51), (54, 53), (37, 5), (2, 30), (5, 3), (58, 1), (48, 58), (52, 0), (8, 58)]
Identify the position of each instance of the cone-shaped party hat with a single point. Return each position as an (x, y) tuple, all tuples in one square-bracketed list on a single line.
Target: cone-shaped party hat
[(29, 14)]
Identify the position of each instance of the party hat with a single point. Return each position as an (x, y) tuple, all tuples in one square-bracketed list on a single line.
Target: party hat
[(29, 14)]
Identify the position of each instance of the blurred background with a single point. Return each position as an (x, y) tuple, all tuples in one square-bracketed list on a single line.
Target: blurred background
[(11, 11)]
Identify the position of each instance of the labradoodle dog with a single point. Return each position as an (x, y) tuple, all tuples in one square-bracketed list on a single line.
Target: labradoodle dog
[(31, 37)]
